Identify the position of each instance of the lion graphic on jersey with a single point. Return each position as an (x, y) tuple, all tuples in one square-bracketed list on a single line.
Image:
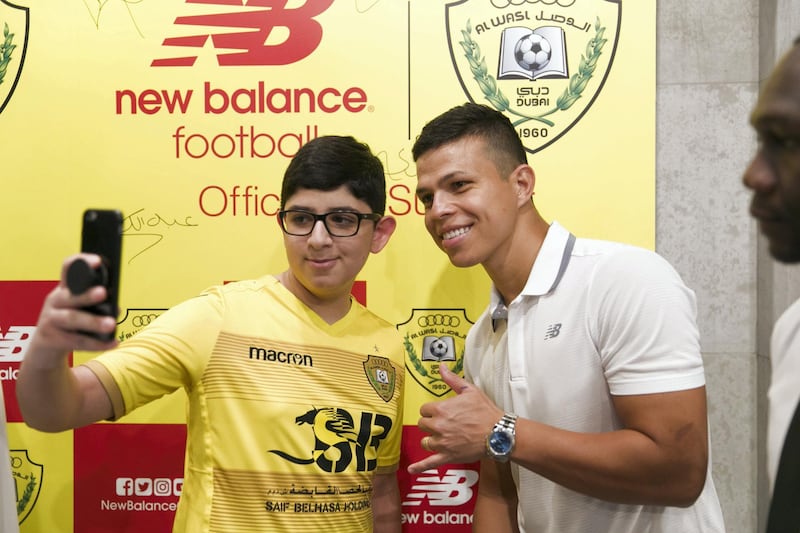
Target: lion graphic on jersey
[(334, 435)]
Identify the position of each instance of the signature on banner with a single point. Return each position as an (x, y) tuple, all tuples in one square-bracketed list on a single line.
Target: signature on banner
[(150, 229)]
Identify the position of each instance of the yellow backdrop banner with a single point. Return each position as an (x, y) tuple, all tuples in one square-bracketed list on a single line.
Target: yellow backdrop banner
[(184, 114)]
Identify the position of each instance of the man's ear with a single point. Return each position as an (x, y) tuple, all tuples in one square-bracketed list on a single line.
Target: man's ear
[(524, 179), (383, 230)]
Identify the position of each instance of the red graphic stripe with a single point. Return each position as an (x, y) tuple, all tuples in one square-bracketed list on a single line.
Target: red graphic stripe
[(174, 62)]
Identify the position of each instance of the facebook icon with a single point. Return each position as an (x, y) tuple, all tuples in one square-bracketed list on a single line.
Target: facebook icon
[(124, 486)]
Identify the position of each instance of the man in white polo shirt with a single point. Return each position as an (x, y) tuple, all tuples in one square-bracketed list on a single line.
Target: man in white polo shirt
[(585, 391)]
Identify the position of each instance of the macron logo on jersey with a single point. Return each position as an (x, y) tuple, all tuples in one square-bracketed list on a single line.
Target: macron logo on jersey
[(14, 343), (453, 488), (268, 33)]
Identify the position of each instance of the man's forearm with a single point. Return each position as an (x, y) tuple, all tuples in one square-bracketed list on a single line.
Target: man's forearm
[(623, 466)]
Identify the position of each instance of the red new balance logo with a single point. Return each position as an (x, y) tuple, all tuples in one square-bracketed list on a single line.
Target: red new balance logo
[(454, 488), (272, 36), (14, 343)]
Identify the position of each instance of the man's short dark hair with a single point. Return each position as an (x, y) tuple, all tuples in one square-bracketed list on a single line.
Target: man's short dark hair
[(474, 120), (326, 163)]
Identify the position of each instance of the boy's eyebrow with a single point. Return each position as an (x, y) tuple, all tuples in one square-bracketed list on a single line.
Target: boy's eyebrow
[(330, 210)]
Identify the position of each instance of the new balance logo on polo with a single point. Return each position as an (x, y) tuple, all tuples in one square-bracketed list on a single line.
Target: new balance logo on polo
[(552, 331)]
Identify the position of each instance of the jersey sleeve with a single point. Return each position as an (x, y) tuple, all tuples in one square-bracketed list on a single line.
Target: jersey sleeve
[(169, 354), (389, 451), (644, 323)]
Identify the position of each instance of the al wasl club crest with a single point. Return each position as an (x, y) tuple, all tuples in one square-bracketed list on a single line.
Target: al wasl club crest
[(432, 337), (540, 62), (381, 376), (13, 42), (27, 477)]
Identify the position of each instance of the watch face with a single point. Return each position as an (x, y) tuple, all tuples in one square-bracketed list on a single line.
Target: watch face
[(500, 442)]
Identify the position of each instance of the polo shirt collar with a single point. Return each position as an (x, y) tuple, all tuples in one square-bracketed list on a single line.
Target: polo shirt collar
[(548, 268)]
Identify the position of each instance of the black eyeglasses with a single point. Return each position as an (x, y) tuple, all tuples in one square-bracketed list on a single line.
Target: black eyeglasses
[(338, 223)]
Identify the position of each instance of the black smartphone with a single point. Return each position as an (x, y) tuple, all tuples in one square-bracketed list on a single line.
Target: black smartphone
[(101, 234)]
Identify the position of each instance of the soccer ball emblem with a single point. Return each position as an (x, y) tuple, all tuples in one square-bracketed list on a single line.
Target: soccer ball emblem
[(438, 349), (532, 52)]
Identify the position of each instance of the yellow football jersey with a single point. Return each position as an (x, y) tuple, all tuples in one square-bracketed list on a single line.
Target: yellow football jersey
[(289, 417)]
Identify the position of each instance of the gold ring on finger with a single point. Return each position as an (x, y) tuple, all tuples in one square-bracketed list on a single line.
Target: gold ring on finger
[(426, 443)]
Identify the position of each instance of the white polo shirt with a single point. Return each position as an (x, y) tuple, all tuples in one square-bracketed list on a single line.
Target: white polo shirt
[(784, 390), (595, 318)]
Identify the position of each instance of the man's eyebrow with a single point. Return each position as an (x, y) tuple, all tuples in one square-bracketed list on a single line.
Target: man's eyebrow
[(447, 177)]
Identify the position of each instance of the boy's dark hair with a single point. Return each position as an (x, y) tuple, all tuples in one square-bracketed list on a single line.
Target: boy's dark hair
[(474, 120), (326, 163)]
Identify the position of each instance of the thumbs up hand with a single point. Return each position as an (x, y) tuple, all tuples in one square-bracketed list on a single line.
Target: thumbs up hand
[(457, 426)]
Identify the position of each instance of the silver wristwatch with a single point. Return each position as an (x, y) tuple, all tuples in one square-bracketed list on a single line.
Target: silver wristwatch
[(500, 441)]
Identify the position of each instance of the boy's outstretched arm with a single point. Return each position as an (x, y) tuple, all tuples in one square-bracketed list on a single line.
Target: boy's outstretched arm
[(53, 396)]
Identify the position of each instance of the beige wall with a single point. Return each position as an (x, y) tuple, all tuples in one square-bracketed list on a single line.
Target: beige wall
[(711, 57)]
